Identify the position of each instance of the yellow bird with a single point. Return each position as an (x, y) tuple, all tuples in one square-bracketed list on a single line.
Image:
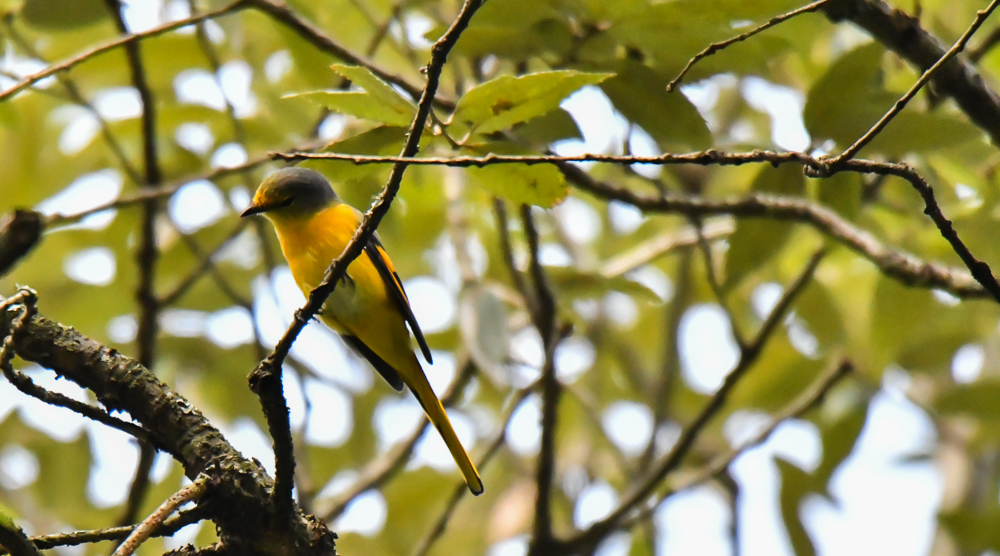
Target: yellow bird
[(369, 309)]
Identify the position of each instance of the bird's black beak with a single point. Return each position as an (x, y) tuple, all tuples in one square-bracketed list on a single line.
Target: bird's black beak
[(252, 210), (258, 209)]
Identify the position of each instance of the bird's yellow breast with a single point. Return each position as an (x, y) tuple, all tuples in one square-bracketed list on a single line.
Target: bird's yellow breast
[(311, 243)]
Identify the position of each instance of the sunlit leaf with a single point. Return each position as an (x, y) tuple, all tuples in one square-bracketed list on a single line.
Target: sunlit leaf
[(542, 185), (507, 100)]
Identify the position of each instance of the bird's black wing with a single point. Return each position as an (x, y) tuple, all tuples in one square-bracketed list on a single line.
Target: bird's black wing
[(388, 373), (394, 286)]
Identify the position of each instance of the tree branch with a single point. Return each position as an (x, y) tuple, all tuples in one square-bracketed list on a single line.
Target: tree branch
[(717, 46), (959, 45), (242, 507), (128, 39), (748, 357), (803, 403), (146, 255), (903, 35), (75, 538), (19, 235), (144, 530), (544, 317)]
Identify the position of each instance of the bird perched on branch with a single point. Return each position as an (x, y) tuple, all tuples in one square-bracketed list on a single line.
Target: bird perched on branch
[(369, 308)]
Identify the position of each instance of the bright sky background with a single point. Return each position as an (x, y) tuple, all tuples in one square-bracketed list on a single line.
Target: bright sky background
[(880, 505)]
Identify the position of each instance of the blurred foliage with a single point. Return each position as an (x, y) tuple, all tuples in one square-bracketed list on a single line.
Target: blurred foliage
[(509, 77)]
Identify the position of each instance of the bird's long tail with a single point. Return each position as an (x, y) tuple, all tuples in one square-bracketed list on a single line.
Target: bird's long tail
[(435, 412)]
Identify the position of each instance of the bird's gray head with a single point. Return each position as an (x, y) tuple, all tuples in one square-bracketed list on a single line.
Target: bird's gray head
[(292, 192)]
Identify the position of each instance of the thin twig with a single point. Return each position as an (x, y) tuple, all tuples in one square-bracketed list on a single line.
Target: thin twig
[(717, 46), (959, 45), (128, 39), (507, 248), (544, 318), (145, 529), (27, 386), (896, 264), (165, 190), (75, 538), (804, 402), (146, 254), (282, 13), (748, 357)]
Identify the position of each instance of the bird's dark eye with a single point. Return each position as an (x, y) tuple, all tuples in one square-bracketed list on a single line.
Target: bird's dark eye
[(285, 203)]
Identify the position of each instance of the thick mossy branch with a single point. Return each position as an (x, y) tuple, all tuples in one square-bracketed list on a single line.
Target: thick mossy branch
[(240, 502)]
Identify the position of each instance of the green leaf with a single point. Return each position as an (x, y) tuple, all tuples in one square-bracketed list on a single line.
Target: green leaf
[(851, 97), (359, 105), (795, 483), (57, 15), (379, 102), (640, 95), (554, 126), (541, 185), (975, 531), (507, 100), (376, 87), (978, 399), (575, 283), (755, 241)]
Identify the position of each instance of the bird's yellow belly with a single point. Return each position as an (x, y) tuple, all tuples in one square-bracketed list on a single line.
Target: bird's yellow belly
[(310, 248)]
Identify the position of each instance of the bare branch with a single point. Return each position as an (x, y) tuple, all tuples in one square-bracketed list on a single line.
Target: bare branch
[(717, 46), (748, 357), (146, 255), (959, 45), (243, 512), (75, 538), (544, 317), (903, 35), (18, 236), (88, 54), (803, 403), (145, 529)]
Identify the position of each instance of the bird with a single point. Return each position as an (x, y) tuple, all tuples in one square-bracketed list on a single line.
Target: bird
[(369, 308)]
